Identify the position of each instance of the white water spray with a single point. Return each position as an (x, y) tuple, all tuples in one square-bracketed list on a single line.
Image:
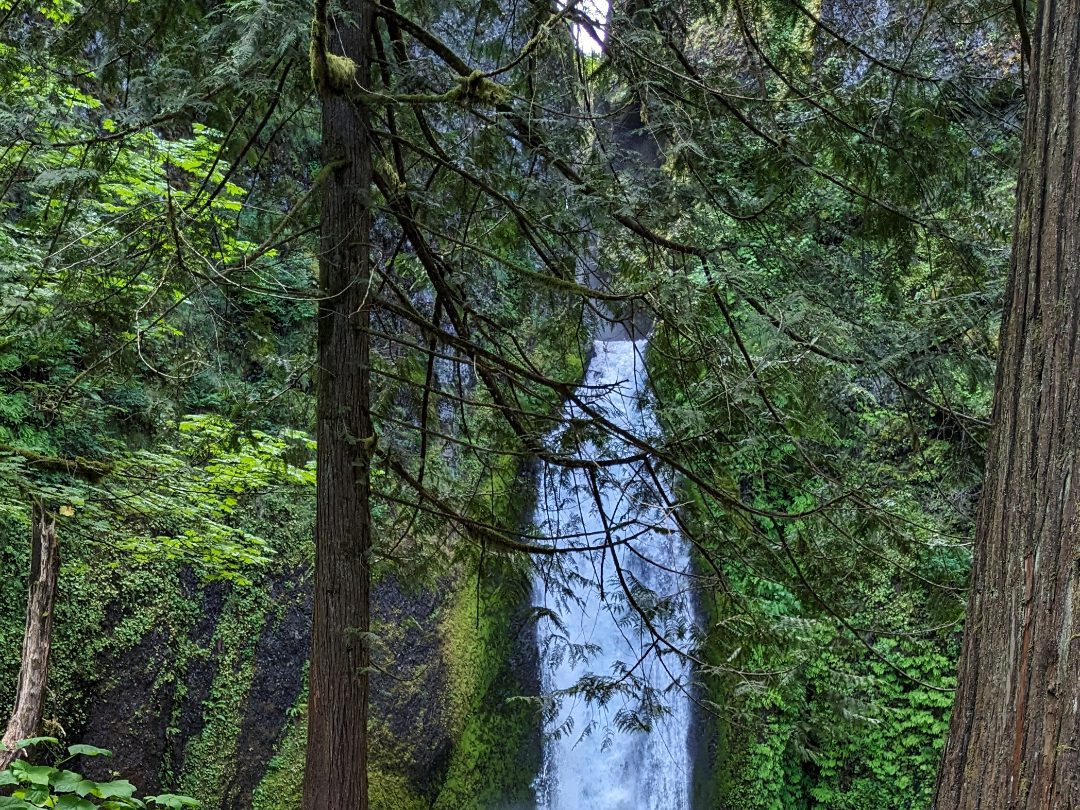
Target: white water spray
[(593, 763)]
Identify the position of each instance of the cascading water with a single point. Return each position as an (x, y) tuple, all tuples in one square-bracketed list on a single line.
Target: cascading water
[(593, 758)]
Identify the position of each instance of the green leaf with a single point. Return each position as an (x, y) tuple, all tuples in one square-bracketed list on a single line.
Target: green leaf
[(82, 750), (37, 795), (118, 789), (34, 774), (173, 801), (8, 778), (66, 781), (9, 803), (73, 803), (85, 787), (21, 744)]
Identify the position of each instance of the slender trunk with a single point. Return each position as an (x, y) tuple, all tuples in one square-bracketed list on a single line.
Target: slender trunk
[(1015, 728), (335, 777), (37, 638)]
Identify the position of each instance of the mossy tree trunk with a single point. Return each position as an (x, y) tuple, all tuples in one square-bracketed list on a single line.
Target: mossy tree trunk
[(335, 776), (1015, 735), (37, 638)]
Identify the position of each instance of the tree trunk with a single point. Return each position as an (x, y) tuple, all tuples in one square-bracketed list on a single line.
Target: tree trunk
[(335, 776), (1014, 740), (37, 638)]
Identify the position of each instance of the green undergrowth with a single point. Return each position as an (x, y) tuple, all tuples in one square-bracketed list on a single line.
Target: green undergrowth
[(281, 787), (830, 640), (843, 730), (494, 759), (810, 717)]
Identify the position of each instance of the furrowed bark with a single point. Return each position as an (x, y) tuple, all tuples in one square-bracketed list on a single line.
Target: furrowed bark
[(1015, 731), (335, 776)]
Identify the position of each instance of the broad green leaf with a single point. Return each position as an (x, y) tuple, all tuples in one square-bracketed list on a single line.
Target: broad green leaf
[(35, 774), (10, 803), (73, 803), (34, 741), (37, 795), (85, 787), (173, 801), (66, 781), (82, 750), (118, 789)]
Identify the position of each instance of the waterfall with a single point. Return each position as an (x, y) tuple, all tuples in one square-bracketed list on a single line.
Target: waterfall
[(590, 760)]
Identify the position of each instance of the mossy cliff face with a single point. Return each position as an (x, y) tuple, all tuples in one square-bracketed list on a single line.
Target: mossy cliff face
[(442, 733), (199, 687), (189, 682)]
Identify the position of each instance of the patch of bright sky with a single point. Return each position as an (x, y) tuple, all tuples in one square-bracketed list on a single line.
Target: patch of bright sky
[(591, 42)]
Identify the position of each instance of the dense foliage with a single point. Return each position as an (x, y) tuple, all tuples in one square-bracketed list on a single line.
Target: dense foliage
[(53, 786), (834, 363), (807, 205)]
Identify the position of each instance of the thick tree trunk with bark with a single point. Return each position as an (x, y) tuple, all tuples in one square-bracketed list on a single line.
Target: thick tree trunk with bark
[(1015, 735), (37, 638), (335, 777)]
